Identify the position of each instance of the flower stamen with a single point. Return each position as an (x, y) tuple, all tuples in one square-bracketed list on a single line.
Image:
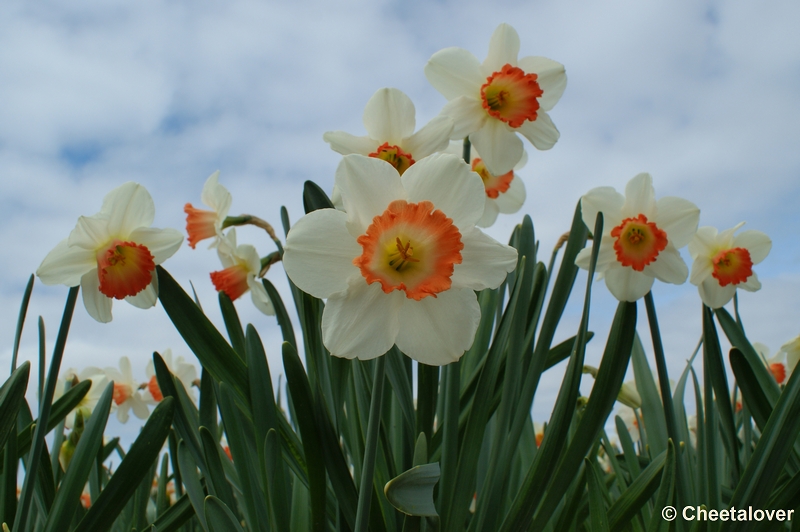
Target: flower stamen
[(124, 269), (395, 156), (732, 266), (511, 95), (638, 242)]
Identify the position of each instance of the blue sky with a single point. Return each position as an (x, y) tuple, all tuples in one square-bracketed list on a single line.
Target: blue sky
[(703, 95)]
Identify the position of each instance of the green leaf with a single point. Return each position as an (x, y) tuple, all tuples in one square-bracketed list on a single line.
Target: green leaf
[(664, 497), (232, 323), (652, 409), (191, 481), (315, 198), (284, 321), (219, 517), (636, 496), (278, 494), (411, 492), (69, 492), (23, 311), (216, 482), (174, 518), (130, 473), (597, 507), (11, 395)]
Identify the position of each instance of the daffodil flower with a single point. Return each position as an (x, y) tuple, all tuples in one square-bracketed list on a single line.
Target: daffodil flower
[(494, 100), (202, 224), (113, 254), (724, 262), (641, 237), (776, 364), (631, 420), (86, 405), (126, 391), (402, 264), (791, 350), (185, 372), (242, 265)]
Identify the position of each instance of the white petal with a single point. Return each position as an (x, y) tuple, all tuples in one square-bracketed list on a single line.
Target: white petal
[(437, 331), (126, 369), (162, 243), (97, 304), (122, 412), (500, 148), (640, 197), (703, 242), (752, 284), (542, 133), (756, 242), (551, 77), (345, 143), (249, 256), (605, 200), (433, 137), (503, 49), (511, 200), (319, 252), (455, 72), (490, 212), (701, 269), (522, 162), (389, 116), (606, 257), (668, 266), (468, 116), (485, 262), (361, 322), (139, 407), (90, 232), (259, 296), (66, 265), (146, 298), (128, 207), (447, 182), (626, 284), (679, 218), (216, 196), (368, 185), (714, 295)]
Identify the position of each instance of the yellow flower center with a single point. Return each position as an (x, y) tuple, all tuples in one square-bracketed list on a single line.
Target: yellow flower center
[(638, 242), (732, 266), (511, 95), (494, 185), (124, 269), (395, 156)]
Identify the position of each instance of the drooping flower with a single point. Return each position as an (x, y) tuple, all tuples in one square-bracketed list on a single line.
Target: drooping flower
[(126, 391), (724, 262), (402, 264), (242, 265), (86, 405), (775, 364), (389, 118), (641, 237), (113, 254), (202, 224), (504, 194), (186, 373), (494, 100)]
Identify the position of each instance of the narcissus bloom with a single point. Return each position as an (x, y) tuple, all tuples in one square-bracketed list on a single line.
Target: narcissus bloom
[(631, 419), (126, 391), (791, 350), (242, 265), (90, 400), (389, 119), (641, 237), (113, 254), (776, 364), (494, 100), (185, 372), (402, 264), (202, 224), (724, 262)]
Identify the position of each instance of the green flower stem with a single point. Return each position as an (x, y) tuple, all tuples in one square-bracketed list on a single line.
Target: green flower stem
[(466, 153), (249, 219), (368, 466)]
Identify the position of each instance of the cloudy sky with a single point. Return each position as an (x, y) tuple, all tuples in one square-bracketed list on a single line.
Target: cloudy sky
[(703, 95)]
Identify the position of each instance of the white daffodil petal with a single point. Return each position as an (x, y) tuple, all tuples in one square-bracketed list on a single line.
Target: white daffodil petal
[(714, 295), (139, 407), (484, 262), (66, 265), (468, 116), (640, 197), (259, 296), (361, 322), (146, 298), (503, 49), (345, 143), (605, 257), (703, 241), (499, 147), (626, 284), (605, 200), (90, 232), (702, 267), (551, 77), (368, 186), (216, 196), (455, 72), (97, 304), (122, 412), (162, 243), (752, 284), (511, 200), (389, 116), (447, 182), (437, 331), (128, 207), (542, 133), (248, 254), (755, 242), (679, 218), (434, 136), (490, 212), (320, 253), (668, 267)]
